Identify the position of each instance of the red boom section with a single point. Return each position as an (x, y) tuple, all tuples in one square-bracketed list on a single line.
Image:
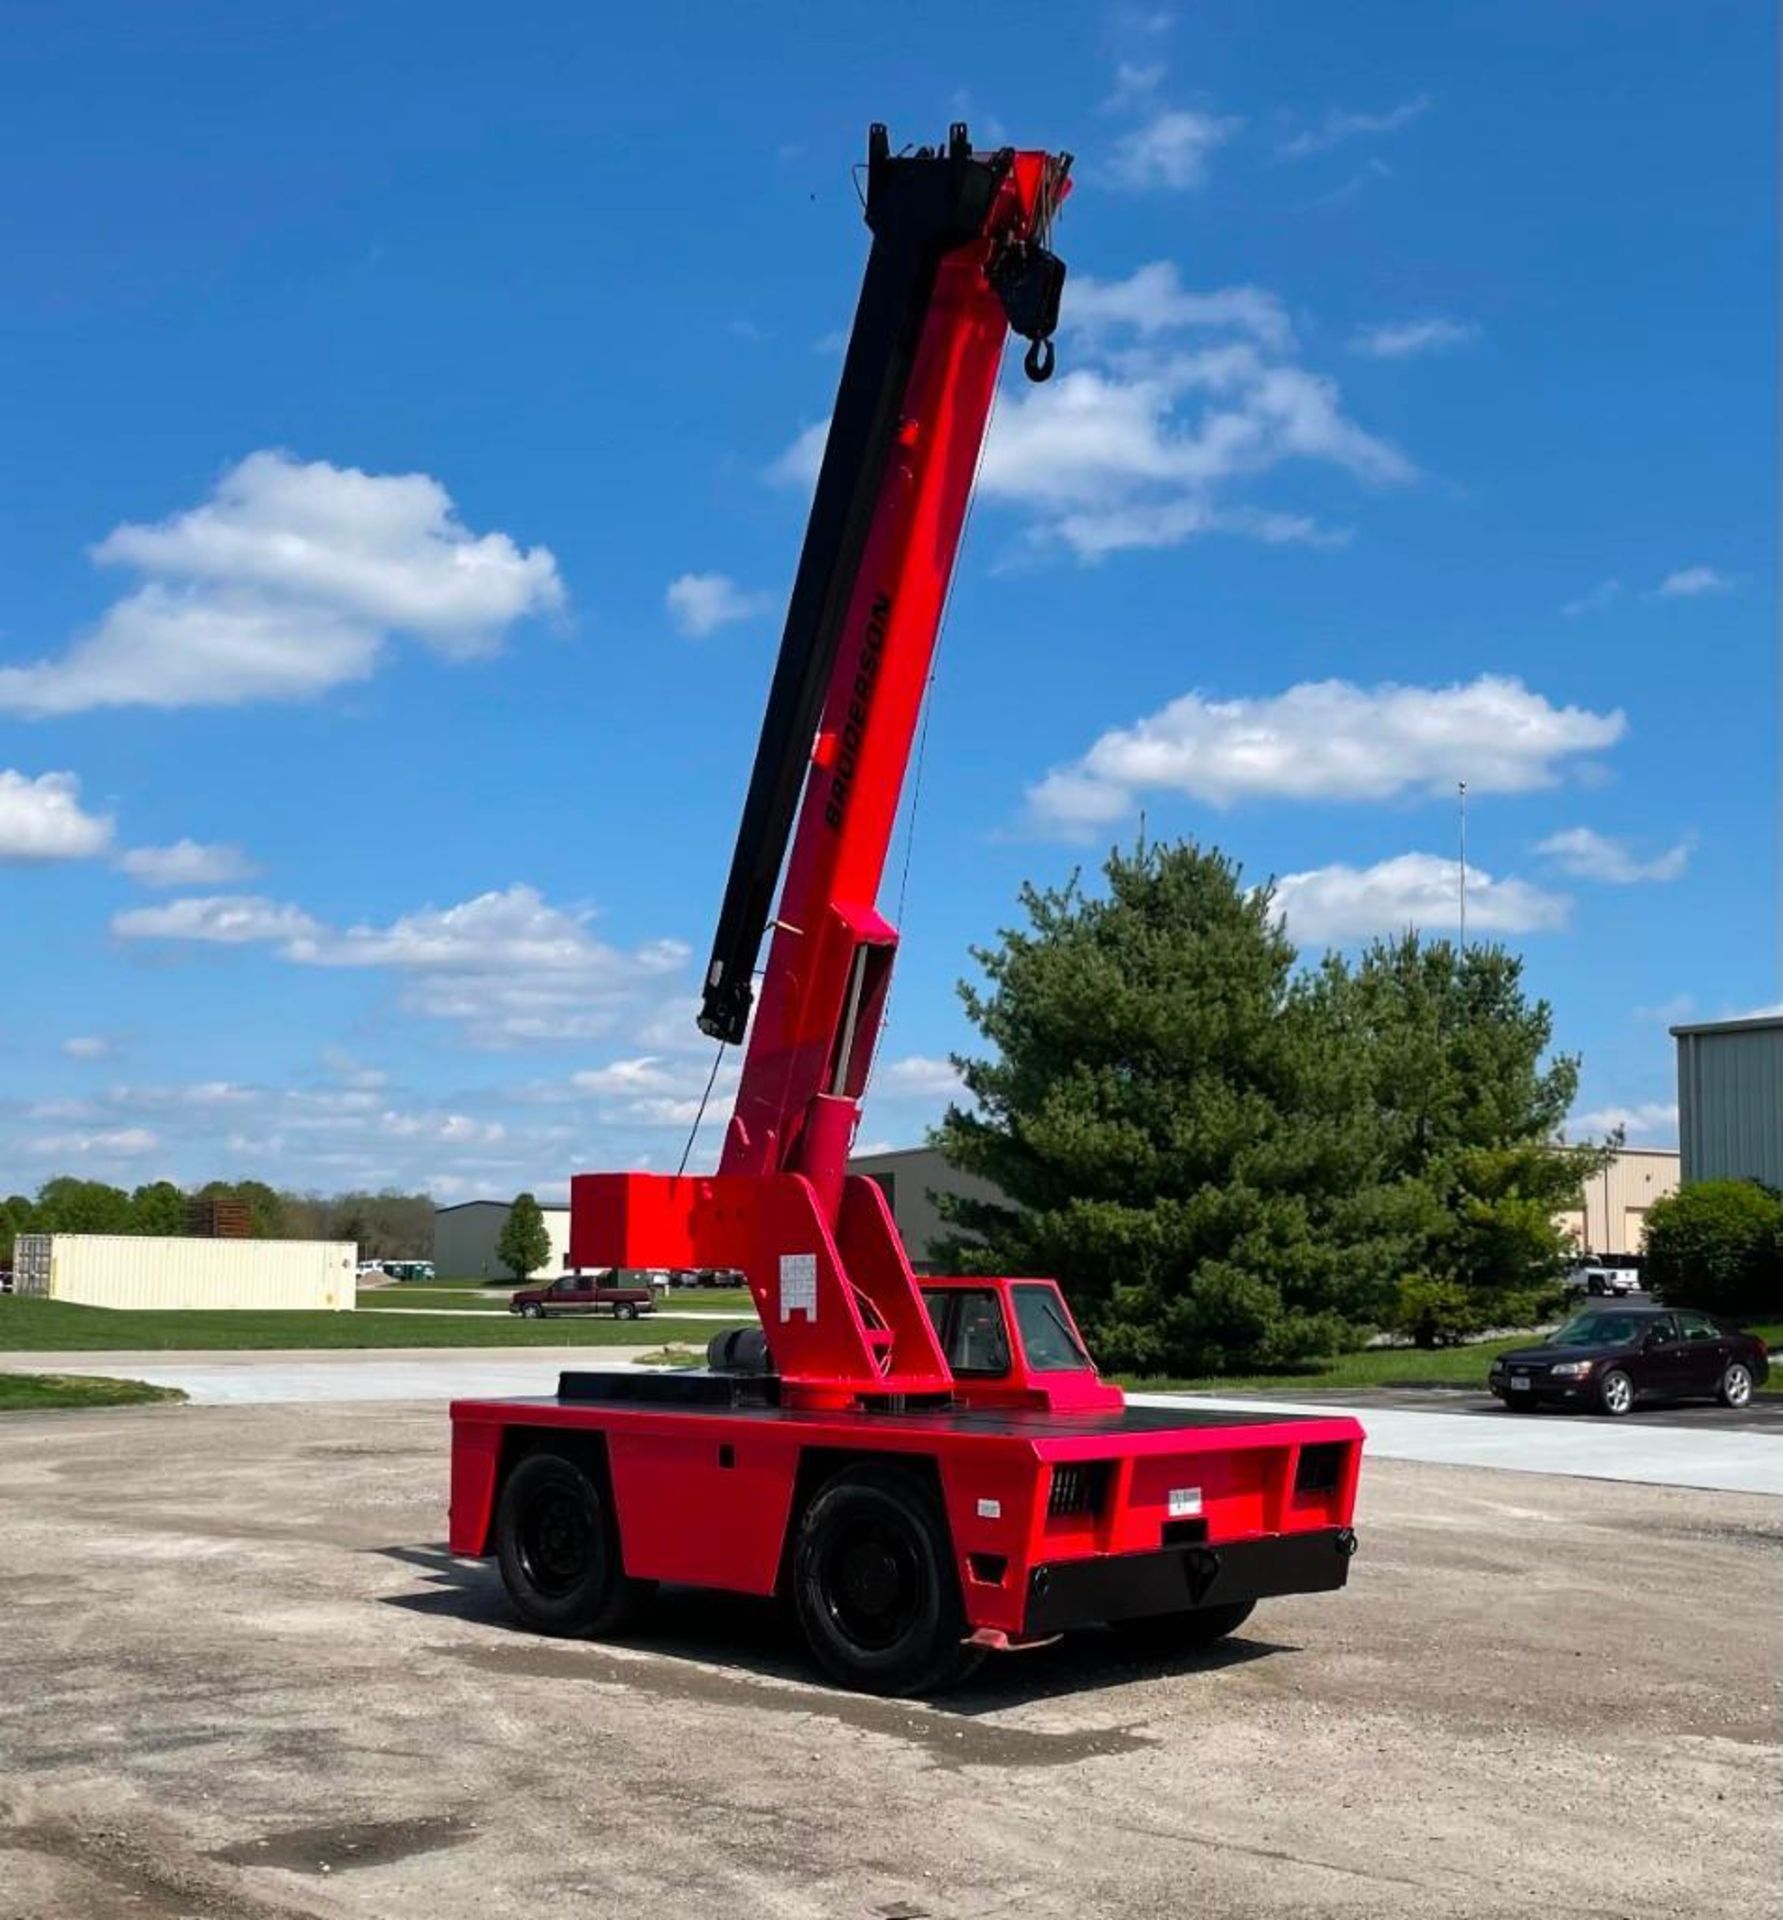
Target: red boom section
[(828, 1273), (830, 959)]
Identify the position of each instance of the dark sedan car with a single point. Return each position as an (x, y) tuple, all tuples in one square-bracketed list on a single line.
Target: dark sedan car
[(1615, 1357)]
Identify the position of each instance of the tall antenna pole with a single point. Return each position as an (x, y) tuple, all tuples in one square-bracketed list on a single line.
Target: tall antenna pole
[(1461, 791)]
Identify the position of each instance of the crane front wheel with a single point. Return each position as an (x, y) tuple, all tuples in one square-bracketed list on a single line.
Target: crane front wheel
[(559, 1550), (875, 1588)]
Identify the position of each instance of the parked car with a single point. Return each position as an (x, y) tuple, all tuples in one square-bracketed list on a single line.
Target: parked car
[(1610, 1359), (1605, 1277), (583, 1293)]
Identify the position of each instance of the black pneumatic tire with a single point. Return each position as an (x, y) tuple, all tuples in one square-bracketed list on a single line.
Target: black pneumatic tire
[(874, 1585), (532, 1310), (624, 1310), (1185, 1632), (559, 1550)]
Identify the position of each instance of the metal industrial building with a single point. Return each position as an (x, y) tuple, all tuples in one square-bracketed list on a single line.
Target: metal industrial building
[(1609, 1219), (911, 1177), (464, 1240), (1730, 1099)]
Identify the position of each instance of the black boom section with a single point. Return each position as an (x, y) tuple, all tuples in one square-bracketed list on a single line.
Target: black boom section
[(919, 208)]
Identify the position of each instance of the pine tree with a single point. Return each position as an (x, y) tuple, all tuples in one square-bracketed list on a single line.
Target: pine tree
[(1180, 1148)]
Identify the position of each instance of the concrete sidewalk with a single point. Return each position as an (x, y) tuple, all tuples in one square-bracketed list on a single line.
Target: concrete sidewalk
[(1731, 1460)]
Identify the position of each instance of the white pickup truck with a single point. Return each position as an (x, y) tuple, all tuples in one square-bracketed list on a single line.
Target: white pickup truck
[(1606, 1276)]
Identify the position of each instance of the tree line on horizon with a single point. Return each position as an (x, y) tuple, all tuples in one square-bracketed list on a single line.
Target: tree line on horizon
[(385, 1225)]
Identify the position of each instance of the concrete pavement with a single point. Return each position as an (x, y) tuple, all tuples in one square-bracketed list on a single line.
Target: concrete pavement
[(1730, 1458)]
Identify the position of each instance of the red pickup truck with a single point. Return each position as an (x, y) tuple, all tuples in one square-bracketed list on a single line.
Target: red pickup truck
[(583, 1293)]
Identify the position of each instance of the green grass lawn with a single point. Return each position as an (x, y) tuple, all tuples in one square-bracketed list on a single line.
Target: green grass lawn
[(456, 1299), (681, 1300), (55, 1326), (32, 1392), (1392, 1367)]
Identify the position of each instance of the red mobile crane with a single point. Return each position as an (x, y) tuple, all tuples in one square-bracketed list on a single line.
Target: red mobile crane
[(930, 1468)]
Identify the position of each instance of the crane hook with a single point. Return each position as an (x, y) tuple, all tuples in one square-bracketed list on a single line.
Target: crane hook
[(1037, 362)]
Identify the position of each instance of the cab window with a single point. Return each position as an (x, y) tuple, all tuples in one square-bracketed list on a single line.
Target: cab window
[(968, 1322), (1698, 1326), (1046, 1334), (570, 1283)]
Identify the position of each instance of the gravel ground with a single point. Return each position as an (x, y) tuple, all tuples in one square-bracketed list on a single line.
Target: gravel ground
[(243, 1681)]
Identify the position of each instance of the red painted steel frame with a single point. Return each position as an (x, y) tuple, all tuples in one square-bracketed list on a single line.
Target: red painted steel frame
[(707, 1498)]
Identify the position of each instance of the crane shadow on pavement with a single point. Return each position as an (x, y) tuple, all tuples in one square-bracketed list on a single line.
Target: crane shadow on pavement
[(760, 1638)]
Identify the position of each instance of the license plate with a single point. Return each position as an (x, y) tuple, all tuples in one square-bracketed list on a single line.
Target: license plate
[(1519, 1383)]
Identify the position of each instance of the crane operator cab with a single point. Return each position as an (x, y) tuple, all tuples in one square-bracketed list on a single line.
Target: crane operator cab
[(1013, 1343)]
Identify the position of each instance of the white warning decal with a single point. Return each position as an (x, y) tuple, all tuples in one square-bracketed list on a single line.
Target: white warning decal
[(1184, 1501), (798, 1286)]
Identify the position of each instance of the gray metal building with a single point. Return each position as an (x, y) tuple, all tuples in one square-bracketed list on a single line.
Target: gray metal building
[(1730, 1099), (911, 1177)]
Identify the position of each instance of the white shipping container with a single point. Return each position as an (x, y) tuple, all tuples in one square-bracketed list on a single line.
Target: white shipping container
[(147, 1270)]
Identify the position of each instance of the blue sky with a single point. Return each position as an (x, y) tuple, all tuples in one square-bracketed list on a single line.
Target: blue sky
[(408, 412)]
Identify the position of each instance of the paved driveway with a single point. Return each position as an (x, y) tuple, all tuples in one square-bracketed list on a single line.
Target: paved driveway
[(1714, 1452)]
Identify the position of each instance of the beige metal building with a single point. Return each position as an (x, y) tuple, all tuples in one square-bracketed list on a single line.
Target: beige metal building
[(1611, 1217), (464, 1239), (143, 1270), (1730, 1099)]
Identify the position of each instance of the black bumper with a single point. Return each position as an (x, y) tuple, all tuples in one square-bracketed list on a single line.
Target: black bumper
[(1132, 1586)]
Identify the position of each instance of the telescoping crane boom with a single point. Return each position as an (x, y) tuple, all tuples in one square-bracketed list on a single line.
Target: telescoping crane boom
[(931, 1468)]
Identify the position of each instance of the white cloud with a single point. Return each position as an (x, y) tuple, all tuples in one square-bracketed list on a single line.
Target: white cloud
[(42, 819), (644, 1075), (918, 1077), (1649, 1120), (110, 1143), (187, 863), (289, 580), (225, 920), (1339, 903), (1170, 150), (1142, 443), (1589, 855), (1398, 340), (1325, 740), (86, 1046), (701, 603), (1598, 597), (353, 1073), (507, 966), (1152, 299), (1134, 84), (1338, 126), (1374, 168), (1690, 583)]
